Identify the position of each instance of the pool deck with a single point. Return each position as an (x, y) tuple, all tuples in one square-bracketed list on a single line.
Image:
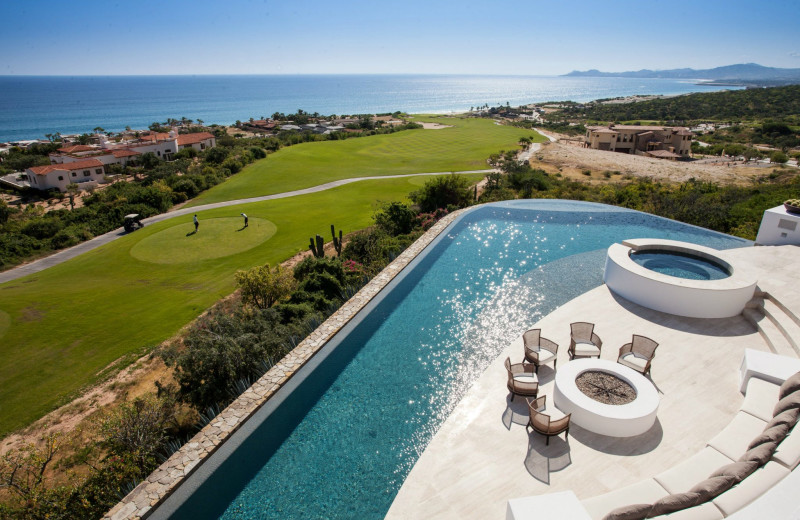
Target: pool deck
[(482, 456)]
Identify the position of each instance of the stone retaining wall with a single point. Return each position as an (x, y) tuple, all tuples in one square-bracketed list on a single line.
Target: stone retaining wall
[(163, 481)]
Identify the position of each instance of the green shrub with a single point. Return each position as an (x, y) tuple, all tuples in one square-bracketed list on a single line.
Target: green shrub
[(441, 192), (395, 218)]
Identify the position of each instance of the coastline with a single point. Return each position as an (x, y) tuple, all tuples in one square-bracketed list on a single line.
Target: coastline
[(33, 106)]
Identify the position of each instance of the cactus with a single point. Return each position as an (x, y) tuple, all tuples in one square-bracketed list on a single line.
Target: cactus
[(319, 249), (337, 242)]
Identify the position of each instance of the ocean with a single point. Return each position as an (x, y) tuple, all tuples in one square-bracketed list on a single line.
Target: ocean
[(32, 106)]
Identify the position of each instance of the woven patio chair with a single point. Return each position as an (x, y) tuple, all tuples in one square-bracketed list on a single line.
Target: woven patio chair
[(539, 350), (583, 342), (638, 354), (521, 379), (543, 423)]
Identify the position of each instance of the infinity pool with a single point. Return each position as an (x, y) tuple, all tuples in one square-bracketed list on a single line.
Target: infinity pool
[(343, 438)]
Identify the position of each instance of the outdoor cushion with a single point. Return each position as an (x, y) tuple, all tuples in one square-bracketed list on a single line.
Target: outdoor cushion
[(672, 503), (788, 451), (545, 356), (750, 488), (760, 454), (681, 477), (787, 403), (631, 512), (738, 470), (788, 417), (774, 434), (735, 438), (760, 398), (790, 386), (634, 361), (645, 491), (525, 378), (586, 349), (713, 486)]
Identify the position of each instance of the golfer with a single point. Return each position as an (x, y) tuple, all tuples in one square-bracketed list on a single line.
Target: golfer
[(245, 219), (196, 223)]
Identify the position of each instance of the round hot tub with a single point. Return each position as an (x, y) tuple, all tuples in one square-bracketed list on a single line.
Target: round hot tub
[(680, 265), (605, 397), (678, 278)]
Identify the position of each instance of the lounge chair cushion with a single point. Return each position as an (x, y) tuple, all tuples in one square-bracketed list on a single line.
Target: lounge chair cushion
[(525, 378), (734, 439), (750, 488), (788, 417), (790, 386), (681, 477), (634, 361), (631, 512), (760, 398), (788, 451), (712, 487), (787, 403), (774, 434), (586, 349), (760, 454), (738, 470)]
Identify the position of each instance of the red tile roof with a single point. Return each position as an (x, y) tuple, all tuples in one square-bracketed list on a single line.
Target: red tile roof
[(184, 139), (77, 165), (154, 136), (124, 153), (76, 148)]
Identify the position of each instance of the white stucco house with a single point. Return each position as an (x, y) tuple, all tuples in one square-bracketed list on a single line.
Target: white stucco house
[(61, 175)]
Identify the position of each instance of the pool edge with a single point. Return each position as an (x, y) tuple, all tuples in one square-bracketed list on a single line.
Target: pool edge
[(143, 500)]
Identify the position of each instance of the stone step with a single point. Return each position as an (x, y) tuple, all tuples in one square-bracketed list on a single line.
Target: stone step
[(784, 321), (772, 335)]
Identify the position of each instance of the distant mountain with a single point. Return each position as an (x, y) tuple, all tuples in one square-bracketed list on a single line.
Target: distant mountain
[(744, 73)]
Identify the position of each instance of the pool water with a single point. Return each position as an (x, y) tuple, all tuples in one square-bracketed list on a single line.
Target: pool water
[(341, 445), (679, 265)]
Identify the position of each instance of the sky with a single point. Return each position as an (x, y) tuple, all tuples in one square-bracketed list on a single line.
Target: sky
[(530, 37)]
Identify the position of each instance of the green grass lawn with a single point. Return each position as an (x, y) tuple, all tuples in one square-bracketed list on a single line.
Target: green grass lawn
[(465, 146), (64, 328)]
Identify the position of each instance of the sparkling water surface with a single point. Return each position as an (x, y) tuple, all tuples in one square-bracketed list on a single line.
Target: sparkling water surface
[(32, 106), (351, 444)]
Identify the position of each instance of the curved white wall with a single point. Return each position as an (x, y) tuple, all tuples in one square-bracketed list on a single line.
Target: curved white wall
[(691, 298)]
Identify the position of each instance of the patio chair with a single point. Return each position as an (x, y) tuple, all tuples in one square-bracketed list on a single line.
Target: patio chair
[(543, 423), (638, 354), (539, 350), (583, 342), (521, 379)]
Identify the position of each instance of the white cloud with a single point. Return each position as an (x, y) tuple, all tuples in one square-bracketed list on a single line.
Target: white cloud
[(794, 54)]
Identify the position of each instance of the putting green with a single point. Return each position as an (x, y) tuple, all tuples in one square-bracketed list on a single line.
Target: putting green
[(216, 238), (5, 322)]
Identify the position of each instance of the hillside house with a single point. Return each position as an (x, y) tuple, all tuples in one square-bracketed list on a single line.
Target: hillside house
[(670, 142)]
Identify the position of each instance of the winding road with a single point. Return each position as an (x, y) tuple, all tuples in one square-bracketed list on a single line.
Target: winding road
[(67, 254)]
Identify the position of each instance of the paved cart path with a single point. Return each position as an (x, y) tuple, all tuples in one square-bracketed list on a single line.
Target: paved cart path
[(72, 252)]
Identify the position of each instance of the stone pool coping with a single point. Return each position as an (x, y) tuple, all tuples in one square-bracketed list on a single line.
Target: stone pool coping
[(160, 484)]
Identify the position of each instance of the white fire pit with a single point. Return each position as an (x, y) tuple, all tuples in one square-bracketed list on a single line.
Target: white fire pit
[(623, 420)]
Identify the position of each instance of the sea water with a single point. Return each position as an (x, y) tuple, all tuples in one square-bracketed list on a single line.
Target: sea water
[(32, 106)]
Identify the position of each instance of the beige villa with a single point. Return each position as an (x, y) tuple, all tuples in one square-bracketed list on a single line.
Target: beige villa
[(664, 142)]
